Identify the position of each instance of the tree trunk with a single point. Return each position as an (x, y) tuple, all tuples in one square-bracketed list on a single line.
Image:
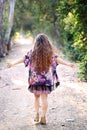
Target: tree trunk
[(56, 29), (55, 17), (10, 21), (1, 27)]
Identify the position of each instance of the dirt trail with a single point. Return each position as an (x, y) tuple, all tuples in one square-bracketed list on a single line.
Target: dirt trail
[(67, 104)]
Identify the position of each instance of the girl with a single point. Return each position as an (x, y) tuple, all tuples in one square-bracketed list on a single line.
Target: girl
[(42, 63)]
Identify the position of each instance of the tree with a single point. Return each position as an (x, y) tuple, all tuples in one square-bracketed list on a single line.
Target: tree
[(39, 15), (10, 22), (74, 31), (6, 25)]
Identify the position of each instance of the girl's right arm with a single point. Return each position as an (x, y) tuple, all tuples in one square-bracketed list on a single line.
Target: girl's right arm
[(16, 62)]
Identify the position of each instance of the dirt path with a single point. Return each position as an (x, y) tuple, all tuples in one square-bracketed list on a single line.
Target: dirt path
[(67, 104)]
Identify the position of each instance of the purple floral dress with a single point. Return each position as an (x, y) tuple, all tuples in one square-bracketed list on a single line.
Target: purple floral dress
[(42, 82)]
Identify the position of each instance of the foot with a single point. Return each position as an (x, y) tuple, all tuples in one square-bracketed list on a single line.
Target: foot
[(43, 121), (36, 118)]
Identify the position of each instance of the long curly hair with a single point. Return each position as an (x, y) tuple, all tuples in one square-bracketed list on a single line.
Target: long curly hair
[(42, 53)]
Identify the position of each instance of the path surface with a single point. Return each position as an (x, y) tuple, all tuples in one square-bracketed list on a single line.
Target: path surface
[(67, 104)]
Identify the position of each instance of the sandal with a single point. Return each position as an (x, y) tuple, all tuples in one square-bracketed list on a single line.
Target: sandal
[(43, 121), (36, 118)]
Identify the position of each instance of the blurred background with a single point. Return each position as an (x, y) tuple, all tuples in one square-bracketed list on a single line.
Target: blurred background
[(65, 21)]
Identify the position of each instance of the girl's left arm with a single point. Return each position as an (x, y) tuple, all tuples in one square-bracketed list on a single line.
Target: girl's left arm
[(16, 62), (61, 61)]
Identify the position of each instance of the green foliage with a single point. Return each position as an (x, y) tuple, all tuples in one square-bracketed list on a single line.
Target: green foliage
[(5, 17), (40, 16), (51, 16), (83, 69), (74, 31)]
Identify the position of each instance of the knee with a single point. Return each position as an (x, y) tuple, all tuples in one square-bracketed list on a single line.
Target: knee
[(36, 96)]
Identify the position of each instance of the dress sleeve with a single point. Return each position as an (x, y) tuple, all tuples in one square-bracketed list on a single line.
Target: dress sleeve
[(54, 63), (55, 58), (27, 60)]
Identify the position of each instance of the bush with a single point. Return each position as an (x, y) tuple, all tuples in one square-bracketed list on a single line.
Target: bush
[(83, 70)]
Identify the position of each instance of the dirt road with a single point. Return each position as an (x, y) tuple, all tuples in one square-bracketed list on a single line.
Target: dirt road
[(67, 104)]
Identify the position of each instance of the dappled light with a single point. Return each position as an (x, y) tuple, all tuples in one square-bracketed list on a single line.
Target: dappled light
[(24, 41), (65, 23)]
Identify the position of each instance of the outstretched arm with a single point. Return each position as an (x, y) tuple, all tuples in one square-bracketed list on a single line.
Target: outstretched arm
[(15, 63), (61, 61)]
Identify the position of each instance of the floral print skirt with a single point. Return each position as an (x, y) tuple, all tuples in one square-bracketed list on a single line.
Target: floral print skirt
[(42, 89)]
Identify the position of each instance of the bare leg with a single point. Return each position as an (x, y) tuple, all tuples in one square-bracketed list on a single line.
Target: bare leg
[(44, 104), (44, 108), (37, 97)]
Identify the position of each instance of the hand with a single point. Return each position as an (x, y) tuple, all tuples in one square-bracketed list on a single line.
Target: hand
[(72, 64), (9, 65)]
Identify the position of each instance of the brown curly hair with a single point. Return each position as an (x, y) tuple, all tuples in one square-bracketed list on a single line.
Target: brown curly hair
[(42, 53)]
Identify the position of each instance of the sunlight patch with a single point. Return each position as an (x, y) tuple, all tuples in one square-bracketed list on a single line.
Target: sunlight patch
[(24, 41)]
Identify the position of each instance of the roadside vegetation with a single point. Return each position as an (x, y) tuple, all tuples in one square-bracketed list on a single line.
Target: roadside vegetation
[(65, 21)]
